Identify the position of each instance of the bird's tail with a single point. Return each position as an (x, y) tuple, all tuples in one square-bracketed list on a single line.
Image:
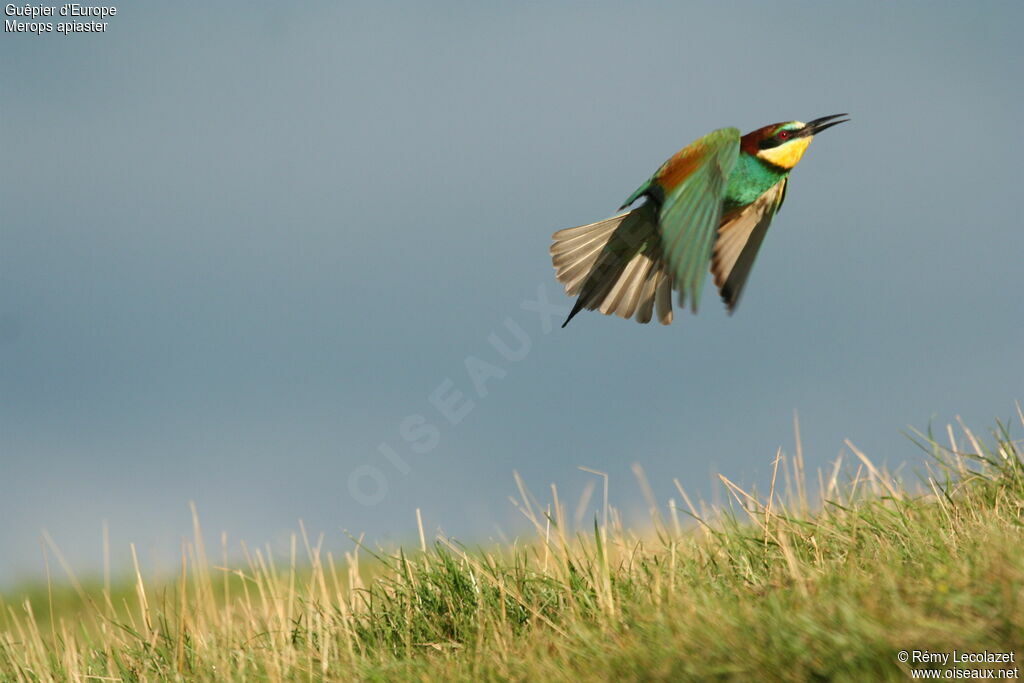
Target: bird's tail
[(615, 266)]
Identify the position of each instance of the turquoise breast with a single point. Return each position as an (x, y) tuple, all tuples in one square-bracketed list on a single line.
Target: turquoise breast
[(750, 179)]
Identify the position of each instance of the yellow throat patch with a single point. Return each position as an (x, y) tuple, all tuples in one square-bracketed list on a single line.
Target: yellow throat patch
[(786, 155)]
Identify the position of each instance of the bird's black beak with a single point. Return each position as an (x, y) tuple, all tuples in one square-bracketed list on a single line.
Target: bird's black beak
[(817, 125)]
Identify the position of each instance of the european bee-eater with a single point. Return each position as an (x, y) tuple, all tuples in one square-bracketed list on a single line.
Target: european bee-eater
[(711, 202)]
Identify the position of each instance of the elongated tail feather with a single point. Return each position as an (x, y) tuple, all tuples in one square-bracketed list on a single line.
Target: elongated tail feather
[(615, 266)]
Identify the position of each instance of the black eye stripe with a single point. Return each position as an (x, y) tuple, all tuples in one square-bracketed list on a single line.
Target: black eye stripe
[(775, 141)]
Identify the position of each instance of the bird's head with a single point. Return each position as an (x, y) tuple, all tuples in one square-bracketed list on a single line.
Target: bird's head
[(784, 144)]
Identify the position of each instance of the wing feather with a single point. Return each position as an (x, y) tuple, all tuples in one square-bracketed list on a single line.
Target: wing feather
[(692, 207), (739, 238), (663, 298)]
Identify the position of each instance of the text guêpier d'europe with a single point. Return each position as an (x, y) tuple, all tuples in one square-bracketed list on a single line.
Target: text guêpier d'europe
[(33, 18)]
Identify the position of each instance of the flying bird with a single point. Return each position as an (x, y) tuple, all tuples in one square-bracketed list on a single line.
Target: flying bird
[(711, 202)]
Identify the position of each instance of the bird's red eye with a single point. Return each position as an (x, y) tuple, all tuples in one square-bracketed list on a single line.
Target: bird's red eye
[(783, 135)]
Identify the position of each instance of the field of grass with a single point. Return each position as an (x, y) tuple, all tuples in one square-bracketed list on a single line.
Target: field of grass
[(822, 582)]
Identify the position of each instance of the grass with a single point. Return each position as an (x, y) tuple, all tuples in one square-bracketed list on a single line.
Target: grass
[(774, 587)]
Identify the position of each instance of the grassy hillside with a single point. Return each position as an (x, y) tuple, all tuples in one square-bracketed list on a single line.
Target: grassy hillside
[(788, 585)]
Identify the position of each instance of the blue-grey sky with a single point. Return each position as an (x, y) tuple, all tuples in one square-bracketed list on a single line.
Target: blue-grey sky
[(240, 245)]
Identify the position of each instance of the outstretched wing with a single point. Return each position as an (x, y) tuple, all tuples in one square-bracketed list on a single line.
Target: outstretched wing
[(739, 238), (691, 186)]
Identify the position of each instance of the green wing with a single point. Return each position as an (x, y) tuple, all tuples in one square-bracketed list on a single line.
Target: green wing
[(694, 182)]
